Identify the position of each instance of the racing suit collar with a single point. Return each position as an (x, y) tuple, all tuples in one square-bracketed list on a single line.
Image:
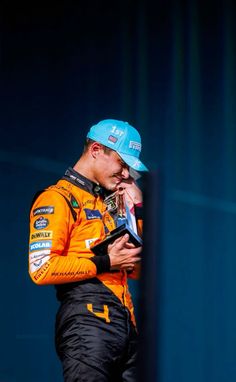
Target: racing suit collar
[(81, 181)]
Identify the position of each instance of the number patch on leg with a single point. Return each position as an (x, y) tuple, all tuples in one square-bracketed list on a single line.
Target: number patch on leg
[(104, 314)]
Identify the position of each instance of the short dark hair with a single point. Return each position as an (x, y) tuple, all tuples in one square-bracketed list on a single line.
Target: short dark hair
[(89, 142)]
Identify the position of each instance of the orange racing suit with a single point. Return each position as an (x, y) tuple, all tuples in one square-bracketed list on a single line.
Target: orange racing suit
[(65, 220)]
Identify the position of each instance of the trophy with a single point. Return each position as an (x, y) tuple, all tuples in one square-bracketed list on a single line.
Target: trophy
[(125, 223)]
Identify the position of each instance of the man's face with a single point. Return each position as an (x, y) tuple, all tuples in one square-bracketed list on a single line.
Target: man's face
[(110, 170)]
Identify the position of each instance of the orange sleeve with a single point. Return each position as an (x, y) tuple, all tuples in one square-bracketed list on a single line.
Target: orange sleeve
[(50, 259)]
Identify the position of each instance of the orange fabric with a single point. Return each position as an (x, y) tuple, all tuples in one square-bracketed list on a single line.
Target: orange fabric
[(59, 248)]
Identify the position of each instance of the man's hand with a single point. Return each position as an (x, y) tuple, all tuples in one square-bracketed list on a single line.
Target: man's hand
[(133, 194), (123, 255)]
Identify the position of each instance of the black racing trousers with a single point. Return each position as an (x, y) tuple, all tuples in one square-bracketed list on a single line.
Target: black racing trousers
[(96, 343)]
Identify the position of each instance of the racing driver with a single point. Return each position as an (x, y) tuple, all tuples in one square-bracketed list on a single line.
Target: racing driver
[(96, 336)]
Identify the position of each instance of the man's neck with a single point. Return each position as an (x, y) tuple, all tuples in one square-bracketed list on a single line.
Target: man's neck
[(84, 168)]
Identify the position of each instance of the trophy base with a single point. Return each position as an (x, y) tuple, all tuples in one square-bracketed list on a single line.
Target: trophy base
[(101, 248)]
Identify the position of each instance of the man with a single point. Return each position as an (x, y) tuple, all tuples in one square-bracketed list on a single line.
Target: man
[(96, 337)]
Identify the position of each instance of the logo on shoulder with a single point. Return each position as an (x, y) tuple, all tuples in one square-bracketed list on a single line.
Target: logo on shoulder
[(45, 210), (41, 223)]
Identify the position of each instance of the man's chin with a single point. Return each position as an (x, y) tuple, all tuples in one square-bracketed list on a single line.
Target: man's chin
[(113, 186)]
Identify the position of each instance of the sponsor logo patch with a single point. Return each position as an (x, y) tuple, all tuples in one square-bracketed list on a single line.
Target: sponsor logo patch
[(92, 214), (88, 242), (41, 223), (41, 234), (45, 210), (38, 255), (135, 145), (40, 245), (74, 202), (38, 264), (89, 201)]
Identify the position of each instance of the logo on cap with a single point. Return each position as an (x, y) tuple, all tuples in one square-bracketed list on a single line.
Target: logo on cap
[(112, 139), (135, 145), (136, 164)]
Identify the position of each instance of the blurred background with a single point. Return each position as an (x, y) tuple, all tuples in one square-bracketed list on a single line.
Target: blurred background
[(168, 68)]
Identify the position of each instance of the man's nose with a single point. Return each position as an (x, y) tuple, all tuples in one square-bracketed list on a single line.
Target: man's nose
[(125, 173)]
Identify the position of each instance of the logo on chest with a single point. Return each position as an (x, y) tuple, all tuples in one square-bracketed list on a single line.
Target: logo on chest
[(92, 214)]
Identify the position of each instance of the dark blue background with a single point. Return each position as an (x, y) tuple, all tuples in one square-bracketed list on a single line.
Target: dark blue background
[(169, 69)]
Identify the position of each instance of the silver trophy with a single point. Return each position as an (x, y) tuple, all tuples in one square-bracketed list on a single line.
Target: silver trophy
[(125, 223)]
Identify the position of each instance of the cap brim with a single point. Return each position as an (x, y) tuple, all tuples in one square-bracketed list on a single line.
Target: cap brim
[(135, 174), (133, 162)]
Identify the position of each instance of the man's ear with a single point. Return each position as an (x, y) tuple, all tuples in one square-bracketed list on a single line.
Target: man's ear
[(95, 149)]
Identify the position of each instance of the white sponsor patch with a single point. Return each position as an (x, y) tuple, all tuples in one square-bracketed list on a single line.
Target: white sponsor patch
[(88, 242), (135, 145), (38, 255), (36, 265)]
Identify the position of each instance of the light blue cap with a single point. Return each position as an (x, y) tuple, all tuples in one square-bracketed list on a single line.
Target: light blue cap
[(121, 137)]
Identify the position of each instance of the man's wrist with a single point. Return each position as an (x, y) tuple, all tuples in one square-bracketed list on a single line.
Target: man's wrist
[(102, 263)]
